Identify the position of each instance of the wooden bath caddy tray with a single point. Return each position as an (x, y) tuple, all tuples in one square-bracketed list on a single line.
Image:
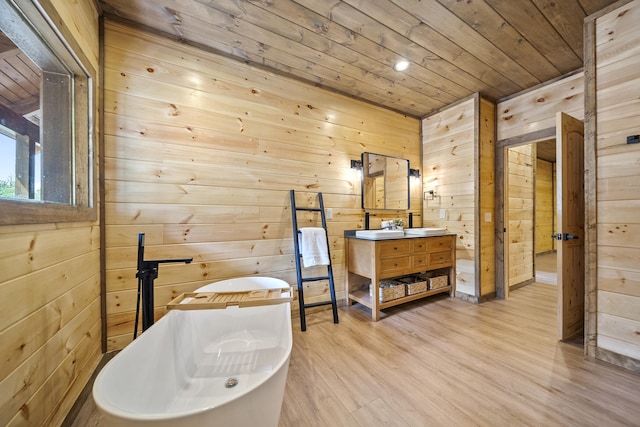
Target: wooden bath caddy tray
[(216, 300)]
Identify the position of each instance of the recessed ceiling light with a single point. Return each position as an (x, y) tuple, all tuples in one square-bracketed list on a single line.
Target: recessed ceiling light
[(401, 65)]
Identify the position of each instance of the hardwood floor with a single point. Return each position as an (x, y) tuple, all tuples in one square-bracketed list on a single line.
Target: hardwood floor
[(446, 362), (546, 268)]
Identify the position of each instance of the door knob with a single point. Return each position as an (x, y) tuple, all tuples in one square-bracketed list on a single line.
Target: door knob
[(569, 237), (556, 236)]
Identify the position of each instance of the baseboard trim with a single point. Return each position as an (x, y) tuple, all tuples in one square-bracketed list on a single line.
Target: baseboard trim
[(617, 359), (553, 251), (467, 297), (521, 284), (488, 297)]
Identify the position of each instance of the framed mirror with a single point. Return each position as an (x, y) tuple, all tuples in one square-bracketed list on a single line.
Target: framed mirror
[(385, 182)]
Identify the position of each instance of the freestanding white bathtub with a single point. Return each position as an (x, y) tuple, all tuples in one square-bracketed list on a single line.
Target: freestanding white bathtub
[(223, 367)]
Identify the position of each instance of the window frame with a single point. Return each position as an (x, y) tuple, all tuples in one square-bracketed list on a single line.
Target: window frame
[(83, 177)]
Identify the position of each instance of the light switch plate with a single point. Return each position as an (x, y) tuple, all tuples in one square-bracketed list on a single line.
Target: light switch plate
[(443, 213), (328, 213)]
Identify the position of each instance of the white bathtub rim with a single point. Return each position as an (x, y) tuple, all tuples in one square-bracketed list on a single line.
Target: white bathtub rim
[(106, 407)]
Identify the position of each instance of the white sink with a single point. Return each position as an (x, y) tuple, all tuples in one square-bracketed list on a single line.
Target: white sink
[(424, 231), (379, 234)]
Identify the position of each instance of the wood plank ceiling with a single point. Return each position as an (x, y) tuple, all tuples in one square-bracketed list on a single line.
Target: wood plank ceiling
[(456, 47)]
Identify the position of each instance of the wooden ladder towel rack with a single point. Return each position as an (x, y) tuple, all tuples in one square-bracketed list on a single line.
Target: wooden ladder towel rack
[(298, 256)]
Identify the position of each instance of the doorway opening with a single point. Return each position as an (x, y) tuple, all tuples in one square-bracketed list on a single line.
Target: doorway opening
[(530, 214)]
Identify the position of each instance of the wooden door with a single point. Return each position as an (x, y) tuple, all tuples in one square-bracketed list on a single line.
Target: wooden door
[(570, 232)]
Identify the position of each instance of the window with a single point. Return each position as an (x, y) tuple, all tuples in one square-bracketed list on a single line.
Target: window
[(46, 155), (19, 163)]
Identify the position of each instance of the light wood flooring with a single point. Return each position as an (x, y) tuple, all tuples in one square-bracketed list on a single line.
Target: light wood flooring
[(546, 268), (446, 362)]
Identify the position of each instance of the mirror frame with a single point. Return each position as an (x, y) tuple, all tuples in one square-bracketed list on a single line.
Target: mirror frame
[(365, 165)]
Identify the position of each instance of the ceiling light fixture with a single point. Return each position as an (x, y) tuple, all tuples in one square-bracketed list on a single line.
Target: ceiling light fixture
[(401, 65)]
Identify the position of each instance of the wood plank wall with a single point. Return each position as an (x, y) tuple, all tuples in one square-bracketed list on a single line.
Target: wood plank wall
[(521, 209), (448, 159), (617, 47), (545, 206), (486, 193), (201, 152), (535, 110), (458, 160), (50, 328)]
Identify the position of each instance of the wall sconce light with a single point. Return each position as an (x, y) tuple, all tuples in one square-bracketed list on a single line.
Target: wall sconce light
[(356, 164), (415, 173)]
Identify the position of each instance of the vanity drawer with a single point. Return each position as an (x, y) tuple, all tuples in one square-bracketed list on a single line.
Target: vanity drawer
[(399, 265), (420, 246), (437, 244), (419, 262), (439, 259), (394, 248)]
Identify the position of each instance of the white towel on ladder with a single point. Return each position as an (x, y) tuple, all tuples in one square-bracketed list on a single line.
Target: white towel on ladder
[(313, 246)]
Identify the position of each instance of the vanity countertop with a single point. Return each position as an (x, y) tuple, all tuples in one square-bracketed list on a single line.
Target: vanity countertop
[(351, 234)]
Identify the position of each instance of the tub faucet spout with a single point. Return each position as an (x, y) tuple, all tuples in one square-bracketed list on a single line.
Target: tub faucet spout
[(146, 274)]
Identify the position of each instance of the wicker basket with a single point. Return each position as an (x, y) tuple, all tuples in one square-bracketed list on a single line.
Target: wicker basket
[(414, 285), (438, 282), (389, 290), (435, 280)]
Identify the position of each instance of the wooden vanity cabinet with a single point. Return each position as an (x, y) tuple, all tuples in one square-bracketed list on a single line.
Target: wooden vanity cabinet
[(369, 261)]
